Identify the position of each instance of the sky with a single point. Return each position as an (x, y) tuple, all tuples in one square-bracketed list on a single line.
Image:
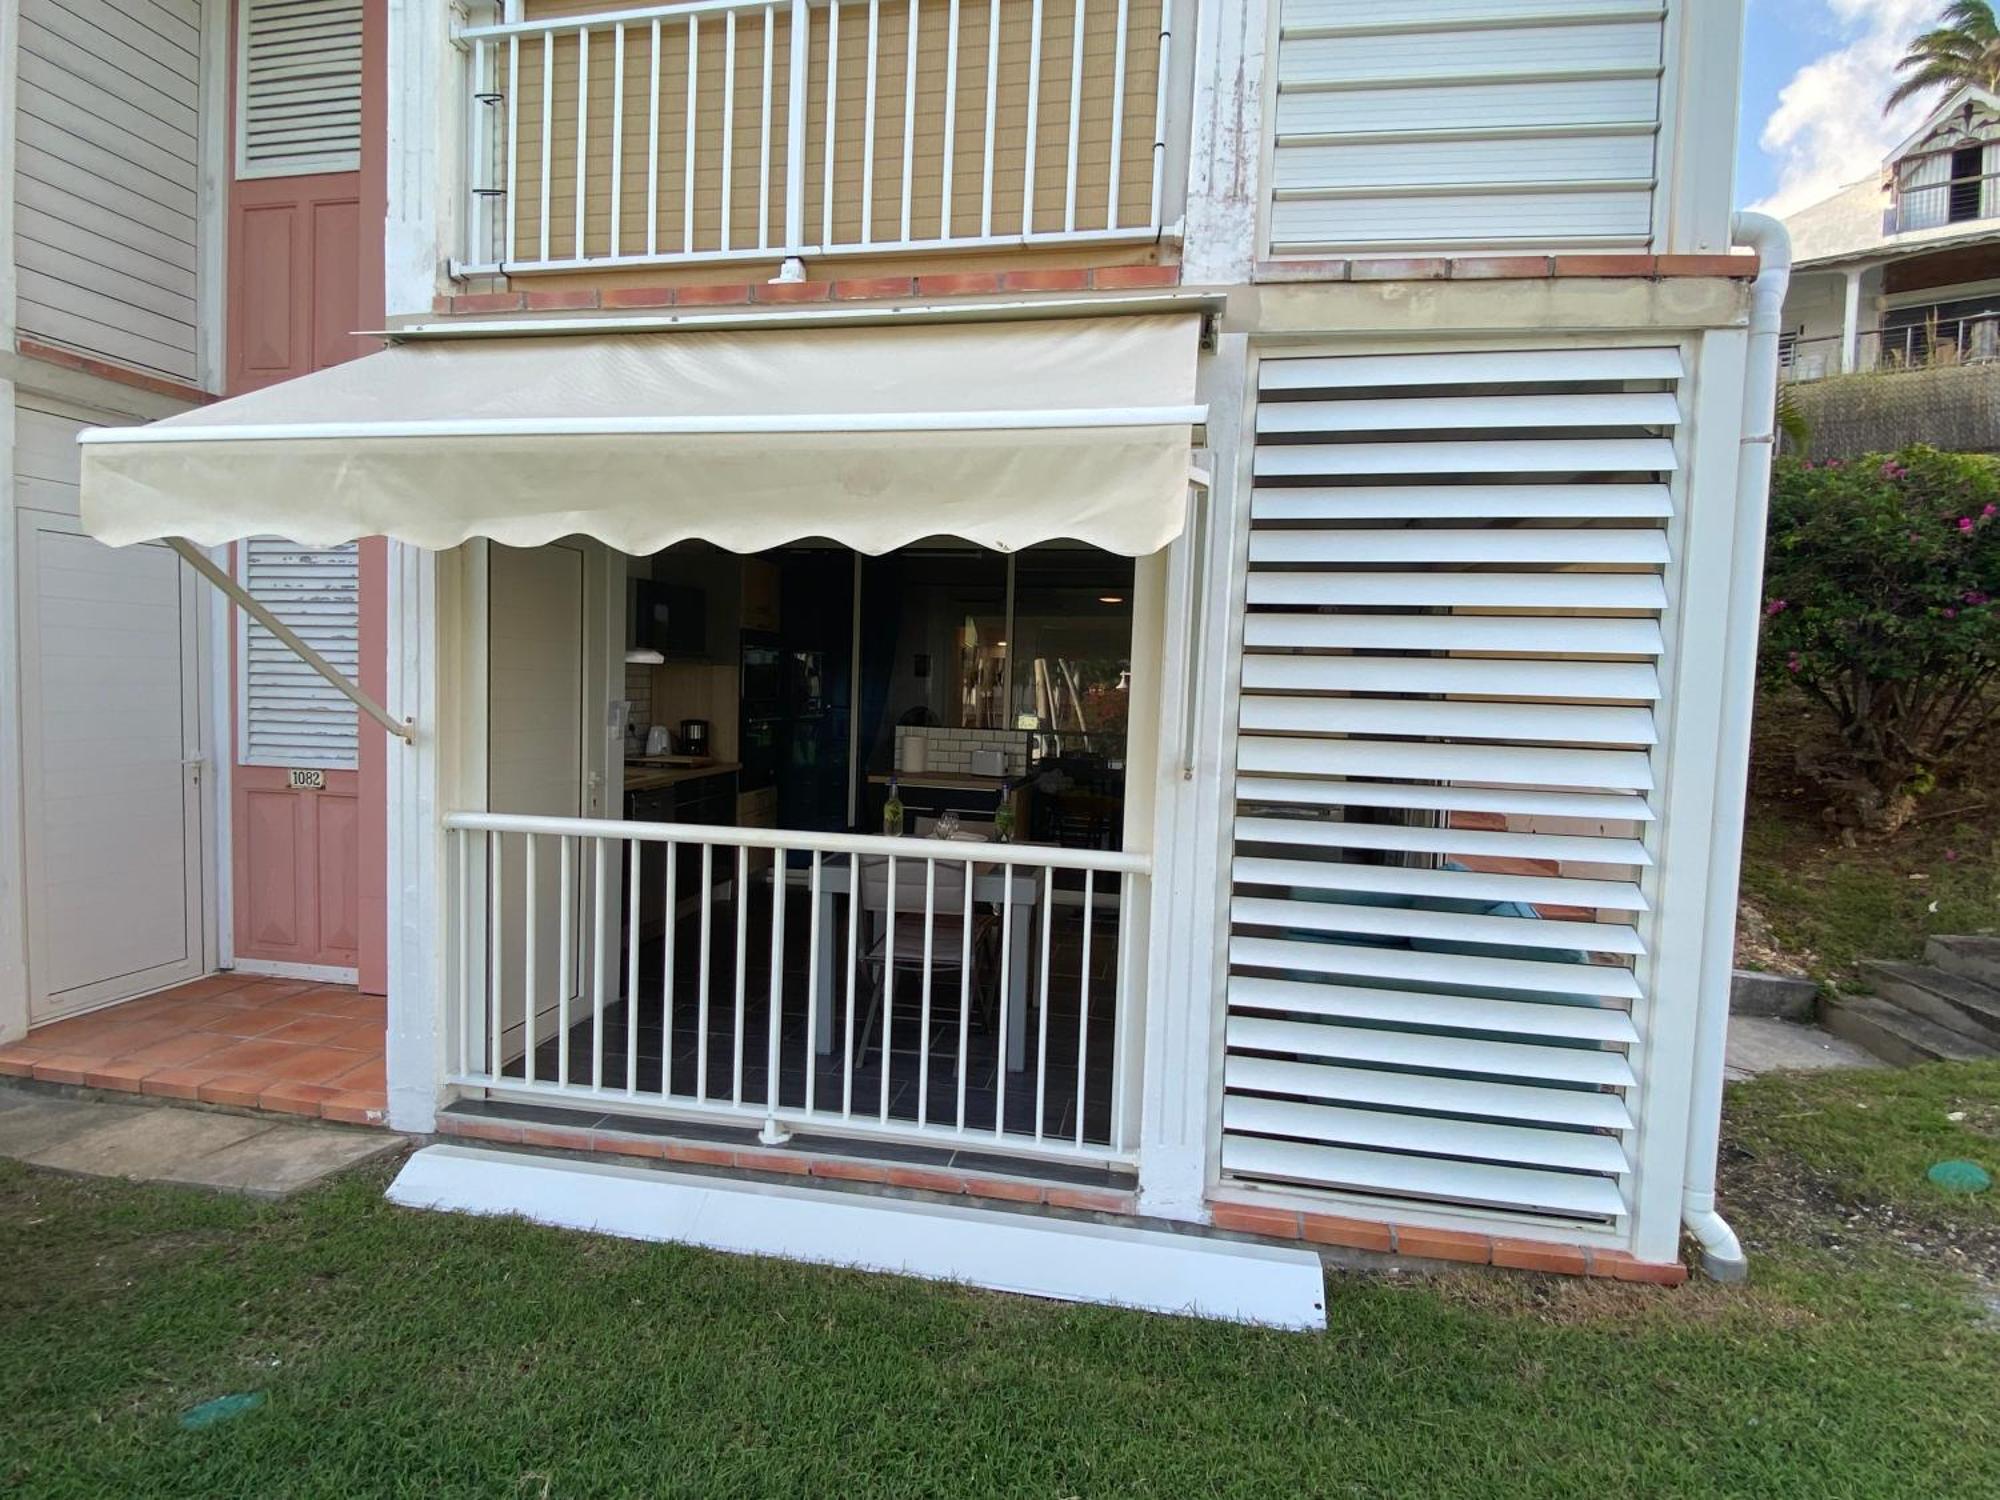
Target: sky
[(1815, 73)]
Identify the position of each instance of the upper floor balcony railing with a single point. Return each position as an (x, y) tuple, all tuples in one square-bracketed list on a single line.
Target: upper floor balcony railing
[(721, 130)]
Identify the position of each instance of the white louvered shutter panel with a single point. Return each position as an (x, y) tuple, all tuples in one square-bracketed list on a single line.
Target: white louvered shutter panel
[(291, 715), (1460, 124), (1445, 776), (298, 87)]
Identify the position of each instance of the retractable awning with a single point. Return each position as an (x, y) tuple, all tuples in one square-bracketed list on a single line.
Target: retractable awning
[(1003, 434)]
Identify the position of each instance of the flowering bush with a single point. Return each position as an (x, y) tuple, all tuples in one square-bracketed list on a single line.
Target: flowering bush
[(1880, 583)]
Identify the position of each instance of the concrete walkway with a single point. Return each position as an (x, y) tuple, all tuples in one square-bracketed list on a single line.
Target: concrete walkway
[(1765, 1044), (189, 1147)]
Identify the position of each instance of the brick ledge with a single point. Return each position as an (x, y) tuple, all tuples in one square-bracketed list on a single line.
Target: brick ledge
[(791, 293), (83, 364), (1268, 1221)]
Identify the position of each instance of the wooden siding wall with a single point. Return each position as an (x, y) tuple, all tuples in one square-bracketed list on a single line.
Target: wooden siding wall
[(106, 180), (1479, 124), (748, 227)]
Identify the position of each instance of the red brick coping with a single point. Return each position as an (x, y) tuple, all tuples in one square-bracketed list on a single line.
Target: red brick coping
[(858, 289), (1273, 1222)]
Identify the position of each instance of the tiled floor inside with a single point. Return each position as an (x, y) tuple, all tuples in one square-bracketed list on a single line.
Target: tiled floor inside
[(277, 1044)]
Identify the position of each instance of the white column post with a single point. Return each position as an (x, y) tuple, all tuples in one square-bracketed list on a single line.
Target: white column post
[(1685, 839), (13, 896), (1850, 321), (13, 872), (1187, 962), (1223, 130), (417, 783), (426, 86)]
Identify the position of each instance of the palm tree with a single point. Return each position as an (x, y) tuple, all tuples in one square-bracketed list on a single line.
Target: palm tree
[(1964, 48)]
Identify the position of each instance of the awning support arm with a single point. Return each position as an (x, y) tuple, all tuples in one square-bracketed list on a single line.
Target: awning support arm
[(244, 600)]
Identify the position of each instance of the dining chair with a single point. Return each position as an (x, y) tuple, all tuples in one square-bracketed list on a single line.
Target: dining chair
[(948, 940)]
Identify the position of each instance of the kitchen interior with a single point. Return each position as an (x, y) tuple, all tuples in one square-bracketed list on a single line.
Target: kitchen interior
[(940, 690), (991, 689)]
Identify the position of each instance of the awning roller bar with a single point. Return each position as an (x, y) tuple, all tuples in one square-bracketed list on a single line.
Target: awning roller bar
[(249, 603), (917, 421)]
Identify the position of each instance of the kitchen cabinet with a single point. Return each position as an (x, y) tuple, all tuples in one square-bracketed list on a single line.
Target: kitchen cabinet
[(760, 594), (704, 797)]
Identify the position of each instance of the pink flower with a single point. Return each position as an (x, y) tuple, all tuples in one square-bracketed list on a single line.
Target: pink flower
[(1989, 511), (1973, 597), (1951, 614), (1965, 523), (1951, 856), (1775, 607), (1792, 663)]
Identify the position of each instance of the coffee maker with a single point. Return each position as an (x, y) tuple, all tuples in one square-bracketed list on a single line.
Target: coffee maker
[(694, 737)]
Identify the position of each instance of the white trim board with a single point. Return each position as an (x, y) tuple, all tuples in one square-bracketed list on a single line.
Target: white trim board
[(1065, 1259)]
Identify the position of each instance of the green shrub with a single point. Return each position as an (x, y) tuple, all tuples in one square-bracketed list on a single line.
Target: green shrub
[(1880, 583)]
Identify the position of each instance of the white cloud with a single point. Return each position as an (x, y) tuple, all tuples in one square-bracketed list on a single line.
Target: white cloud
[(1828, 129)]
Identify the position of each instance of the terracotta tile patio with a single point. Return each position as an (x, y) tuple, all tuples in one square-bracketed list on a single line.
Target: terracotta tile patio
[(276, 1044)]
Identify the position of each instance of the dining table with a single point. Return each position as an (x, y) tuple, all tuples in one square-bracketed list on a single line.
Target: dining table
[(990, 882)]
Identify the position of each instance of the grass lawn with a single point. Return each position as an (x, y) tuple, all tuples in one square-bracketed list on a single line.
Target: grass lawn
[(413, 1354), (1831, 901)]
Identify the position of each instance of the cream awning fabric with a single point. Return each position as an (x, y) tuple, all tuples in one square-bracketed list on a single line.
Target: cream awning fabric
[(1003, 434)]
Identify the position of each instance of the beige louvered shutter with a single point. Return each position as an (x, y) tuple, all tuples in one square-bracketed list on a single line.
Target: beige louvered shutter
[(1445, 791), (291, 716), (298, 87)]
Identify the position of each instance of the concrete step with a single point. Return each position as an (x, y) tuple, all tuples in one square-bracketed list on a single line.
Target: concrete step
[(1894, 1034), (1975, 958), (1950, 1000)]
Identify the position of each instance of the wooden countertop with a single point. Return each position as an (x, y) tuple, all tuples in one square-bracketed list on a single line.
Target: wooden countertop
[(641, 776), (956, 781)]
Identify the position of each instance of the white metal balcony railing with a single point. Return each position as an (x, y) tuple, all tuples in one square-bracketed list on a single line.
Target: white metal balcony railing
[(758, 129), (974, 995)]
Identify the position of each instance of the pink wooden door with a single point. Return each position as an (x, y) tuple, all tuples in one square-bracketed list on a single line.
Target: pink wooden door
[(304, 276)]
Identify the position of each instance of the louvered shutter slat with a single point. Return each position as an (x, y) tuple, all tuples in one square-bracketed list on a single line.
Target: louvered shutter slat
[(299, 88), (1616, 807), (1590, 1109), (1569, 1021), (1527, 456), (291, 716), (1377, 674), (1577, 1151), (1446, 1181), (1334, 958), (1339, 916), (1440, 885), (1445, 770), (1370, 502)]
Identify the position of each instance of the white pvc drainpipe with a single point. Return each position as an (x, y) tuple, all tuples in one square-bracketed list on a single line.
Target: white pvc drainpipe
[(1721, 1254)]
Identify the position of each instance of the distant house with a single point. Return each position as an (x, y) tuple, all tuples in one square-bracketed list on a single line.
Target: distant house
[(1902, 269)]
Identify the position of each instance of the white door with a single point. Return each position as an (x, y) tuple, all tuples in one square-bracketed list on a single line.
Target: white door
[(538, 697), (111, 749)]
